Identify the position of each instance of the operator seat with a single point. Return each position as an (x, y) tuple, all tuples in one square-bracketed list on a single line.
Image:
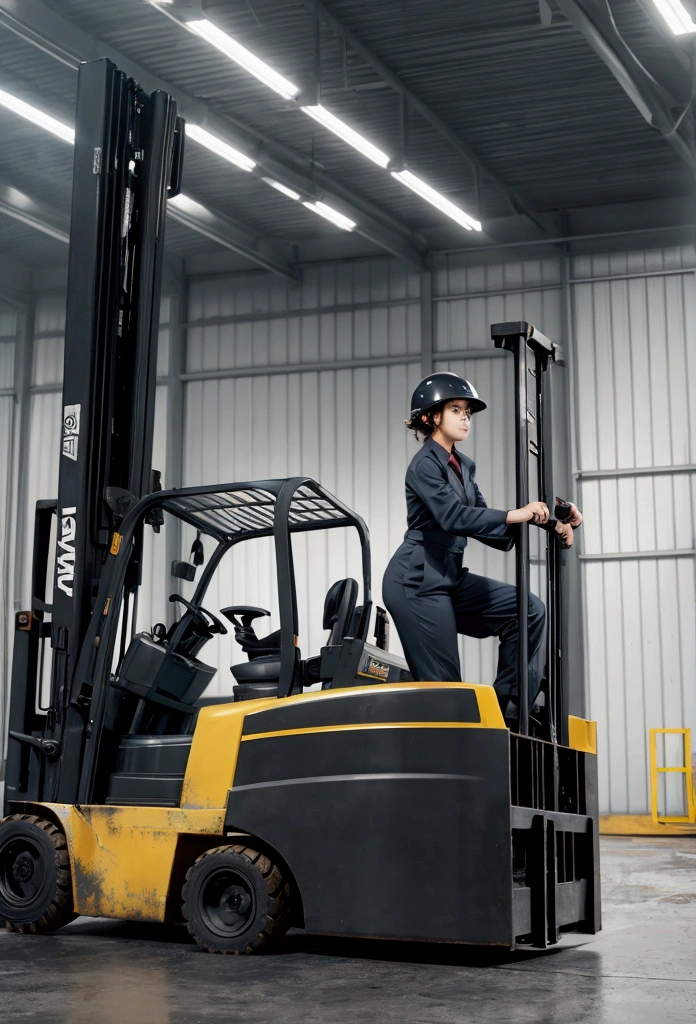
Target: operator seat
[(259, 676)]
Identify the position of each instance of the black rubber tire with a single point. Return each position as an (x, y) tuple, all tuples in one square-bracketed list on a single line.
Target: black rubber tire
[(235, 900), (35, 881)]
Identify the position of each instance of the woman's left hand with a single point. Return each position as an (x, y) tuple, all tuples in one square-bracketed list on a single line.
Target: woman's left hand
[(575, 516), (565, 531)]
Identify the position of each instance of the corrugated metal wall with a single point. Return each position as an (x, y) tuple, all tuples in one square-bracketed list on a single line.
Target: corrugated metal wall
[(636, 396), (342, 425), (315, 379), (252, 409)]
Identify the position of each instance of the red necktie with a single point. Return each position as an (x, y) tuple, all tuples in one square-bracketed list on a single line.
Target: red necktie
[(454, 463)]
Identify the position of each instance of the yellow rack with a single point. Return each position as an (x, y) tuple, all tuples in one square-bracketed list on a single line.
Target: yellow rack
[(685, 769)]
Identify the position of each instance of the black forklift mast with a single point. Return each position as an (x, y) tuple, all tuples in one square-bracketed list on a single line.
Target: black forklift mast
[(128, 159), (534, 353)]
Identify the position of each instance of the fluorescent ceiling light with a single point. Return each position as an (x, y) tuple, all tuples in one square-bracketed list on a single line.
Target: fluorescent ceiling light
[(345, 132), (282, 188), (334, 216), (676, 16), (222, 149), (428, 193), (63, 131), (188, 205), (240, 55)]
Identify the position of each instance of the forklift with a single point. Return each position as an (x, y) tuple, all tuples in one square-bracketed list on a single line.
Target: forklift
[(329, 791)]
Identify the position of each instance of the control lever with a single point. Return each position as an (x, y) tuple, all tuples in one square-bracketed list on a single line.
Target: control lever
[(562, 514), (159, 632), (562, 510), (50, 748)]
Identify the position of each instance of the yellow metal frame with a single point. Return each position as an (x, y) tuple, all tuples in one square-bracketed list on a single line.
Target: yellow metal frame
[(685, 769), (641, 825), (122, 857), (582, 734)]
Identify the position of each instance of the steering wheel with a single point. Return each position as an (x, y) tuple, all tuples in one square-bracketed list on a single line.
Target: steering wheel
[(215, 625)]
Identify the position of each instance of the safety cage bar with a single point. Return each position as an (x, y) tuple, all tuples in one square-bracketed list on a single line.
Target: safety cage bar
[(231, 513), (245, 510)]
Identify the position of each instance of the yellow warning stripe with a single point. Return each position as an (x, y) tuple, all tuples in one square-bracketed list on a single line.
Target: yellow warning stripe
[(376, 725)]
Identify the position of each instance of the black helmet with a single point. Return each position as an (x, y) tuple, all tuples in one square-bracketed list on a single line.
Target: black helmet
[(443, 387)]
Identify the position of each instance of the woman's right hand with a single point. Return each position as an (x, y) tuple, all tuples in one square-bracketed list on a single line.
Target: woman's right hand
[(536, 512)]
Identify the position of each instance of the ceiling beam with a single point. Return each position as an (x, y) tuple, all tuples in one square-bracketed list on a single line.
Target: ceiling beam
[(21, 207), (226, 232), (518, 204), (681, 53), (271, 255), (41, 26), (595, 23)]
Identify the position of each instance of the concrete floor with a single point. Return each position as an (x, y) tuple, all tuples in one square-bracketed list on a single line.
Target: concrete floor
[(641, 969)]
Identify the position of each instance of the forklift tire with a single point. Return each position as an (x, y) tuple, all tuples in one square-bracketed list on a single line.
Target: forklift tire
[(235, 900), (35, 883)]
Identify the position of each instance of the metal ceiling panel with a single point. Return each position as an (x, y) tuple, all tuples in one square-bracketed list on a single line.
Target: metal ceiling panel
[(36, 77), (533, 101), (26, 246)]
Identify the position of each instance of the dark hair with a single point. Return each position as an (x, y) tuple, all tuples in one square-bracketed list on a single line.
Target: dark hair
[(425, 427)]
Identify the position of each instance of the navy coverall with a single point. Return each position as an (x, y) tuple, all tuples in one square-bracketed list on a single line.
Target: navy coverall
[(431, 597)]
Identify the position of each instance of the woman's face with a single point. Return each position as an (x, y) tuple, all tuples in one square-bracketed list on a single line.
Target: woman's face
[(454, 422)]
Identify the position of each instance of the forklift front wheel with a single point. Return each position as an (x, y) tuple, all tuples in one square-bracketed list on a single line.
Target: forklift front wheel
[(235, 901), (35, 885)]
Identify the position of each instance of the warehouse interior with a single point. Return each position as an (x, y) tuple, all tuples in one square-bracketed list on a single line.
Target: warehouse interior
[(528, 160)]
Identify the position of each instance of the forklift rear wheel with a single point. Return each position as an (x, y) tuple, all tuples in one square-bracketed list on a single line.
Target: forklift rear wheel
[(235, 901), (35, 883)]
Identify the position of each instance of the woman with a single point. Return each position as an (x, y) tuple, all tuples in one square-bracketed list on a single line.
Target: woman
[(430, 595)]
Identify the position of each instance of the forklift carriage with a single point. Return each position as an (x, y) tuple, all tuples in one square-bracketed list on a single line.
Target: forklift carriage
[(330, 792)]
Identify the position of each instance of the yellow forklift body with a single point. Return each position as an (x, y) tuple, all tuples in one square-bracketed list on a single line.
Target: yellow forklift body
[(218, 734), (123, 857)]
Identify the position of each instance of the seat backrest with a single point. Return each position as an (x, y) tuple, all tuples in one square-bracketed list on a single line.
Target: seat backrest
[(339, 607)]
